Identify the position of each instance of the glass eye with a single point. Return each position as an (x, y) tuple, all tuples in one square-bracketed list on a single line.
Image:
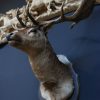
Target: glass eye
[(33, 30)]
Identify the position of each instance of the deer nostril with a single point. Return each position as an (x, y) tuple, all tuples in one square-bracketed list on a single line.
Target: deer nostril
[(5, 40), (8, 37)]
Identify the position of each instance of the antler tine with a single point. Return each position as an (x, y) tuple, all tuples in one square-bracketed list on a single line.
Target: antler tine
[(77, 16), (48, 24), (30, 16), (19, 19), (82, 12)]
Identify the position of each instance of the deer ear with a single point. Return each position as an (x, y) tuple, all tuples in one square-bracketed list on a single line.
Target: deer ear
[(45, 28)]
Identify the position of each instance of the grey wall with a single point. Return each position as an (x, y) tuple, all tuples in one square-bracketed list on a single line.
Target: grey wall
[(81, 45)]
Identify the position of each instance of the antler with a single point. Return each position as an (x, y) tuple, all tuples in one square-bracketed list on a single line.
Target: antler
[(84, 9), (82, 12), (20, 19), (34, 22), (30, 16), (43, 24)]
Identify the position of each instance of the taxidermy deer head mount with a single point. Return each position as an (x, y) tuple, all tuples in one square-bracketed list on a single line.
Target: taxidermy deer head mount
[(58, 80)]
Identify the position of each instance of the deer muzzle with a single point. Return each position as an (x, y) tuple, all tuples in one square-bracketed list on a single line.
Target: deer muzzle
[(5, 39)]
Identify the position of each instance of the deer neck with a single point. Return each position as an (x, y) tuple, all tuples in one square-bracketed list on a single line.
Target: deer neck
[(43, 61), (46, 65)]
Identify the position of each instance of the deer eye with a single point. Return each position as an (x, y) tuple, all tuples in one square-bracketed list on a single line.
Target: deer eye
[(33, 30)]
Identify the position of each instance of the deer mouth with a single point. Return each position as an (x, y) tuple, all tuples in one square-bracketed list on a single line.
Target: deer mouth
[(15, 40)]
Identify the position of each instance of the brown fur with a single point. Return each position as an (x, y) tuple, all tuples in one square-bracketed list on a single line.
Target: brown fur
[(48, 69), (56, 80)]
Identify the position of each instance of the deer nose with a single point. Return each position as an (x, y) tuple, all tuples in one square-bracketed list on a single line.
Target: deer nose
[(8, 37), (5, 40)]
